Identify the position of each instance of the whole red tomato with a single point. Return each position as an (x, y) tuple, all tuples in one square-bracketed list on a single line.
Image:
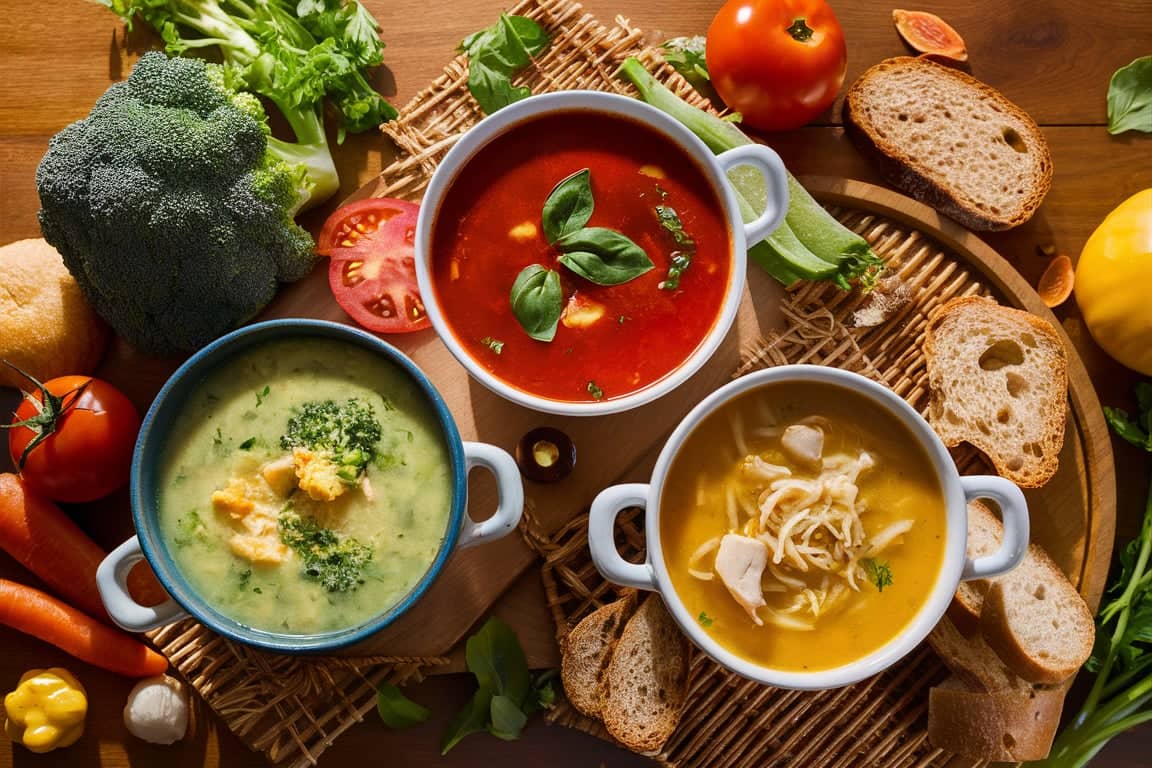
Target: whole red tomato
[(82, 432), (779, 63)]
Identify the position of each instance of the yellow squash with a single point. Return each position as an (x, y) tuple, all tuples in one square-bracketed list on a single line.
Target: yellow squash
[(47, 710), (1113, 280)]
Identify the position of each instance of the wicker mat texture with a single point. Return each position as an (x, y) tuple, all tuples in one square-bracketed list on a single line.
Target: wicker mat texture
[(731, 722)]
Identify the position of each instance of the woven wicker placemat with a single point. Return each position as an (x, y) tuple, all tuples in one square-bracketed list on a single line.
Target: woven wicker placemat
[(731, 722)]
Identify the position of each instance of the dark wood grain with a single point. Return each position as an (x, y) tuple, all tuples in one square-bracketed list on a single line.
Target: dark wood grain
[(1052, 58)]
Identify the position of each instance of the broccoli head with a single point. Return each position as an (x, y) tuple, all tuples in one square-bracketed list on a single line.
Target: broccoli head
[(345, 434), (170, 207)]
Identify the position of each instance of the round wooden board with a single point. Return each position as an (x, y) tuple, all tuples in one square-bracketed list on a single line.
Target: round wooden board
[(1082, 546)]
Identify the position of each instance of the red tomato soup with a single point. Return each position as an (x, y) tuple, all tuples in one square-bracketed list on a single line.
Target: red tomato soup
[(611, 340)]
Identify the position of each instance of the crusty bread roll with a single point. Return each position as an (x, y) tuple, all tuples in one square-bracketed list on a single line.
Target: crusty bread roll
[(951, 141), (46, 326), (998, 379)]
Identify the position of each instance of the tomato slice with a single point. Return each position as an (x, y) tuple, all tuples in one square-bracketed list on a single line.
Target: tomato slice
[(373, 264)]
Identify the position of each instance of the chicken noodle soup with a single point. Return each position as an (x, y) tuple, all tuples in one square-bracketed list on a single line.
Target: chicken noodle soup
[(306, 487), (803, 527)]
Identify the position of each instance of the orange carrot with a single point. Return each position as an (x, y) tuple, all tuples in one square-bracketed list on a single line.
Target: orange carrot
[(41, 615), (45, 541)]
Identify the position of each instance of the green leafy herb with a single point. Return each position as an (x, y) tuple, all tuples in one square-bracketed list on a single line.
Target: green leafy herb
[(397, 710), (595, 391), (704, 619), (1122, 659), (218, 440), (537, 302), (569, 205), (1130, 97), (334, 562), (261, 395), (603, 256), (247, 444), (686, 55), (680, 259), (507, 692), (257, 590), (495, 345), (498, 53), (879, 572), (190, 528), (245, 575)]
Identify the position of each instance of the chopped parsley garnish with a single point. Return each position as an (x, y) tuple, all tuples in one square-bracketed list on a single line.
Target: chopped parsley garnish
[(495, 345), (261, 395), (681, 258), (704, 619), (595, 391), (247, 444), (879, 573)]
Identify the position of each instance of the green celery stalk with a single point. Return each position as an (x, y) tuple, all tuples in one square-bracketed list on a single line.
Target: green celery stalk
[(810, 241)]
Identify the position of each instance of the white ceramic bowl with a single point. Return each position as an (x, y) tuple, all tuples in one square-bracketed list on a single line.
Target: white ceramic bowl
[(957, 490), (714, 168)]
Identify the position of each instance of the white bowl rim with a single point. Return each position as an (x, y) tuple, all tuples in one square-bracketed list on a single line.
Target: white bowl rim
[(627, 108)]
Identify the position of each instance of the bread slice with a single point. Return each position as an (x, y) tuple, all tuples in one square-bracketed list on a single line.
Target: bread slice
[(985, 532), (998, 379), (1006, 726), (587, 650), (1037, 622), (647, 679), (951, 141), (972, 660)]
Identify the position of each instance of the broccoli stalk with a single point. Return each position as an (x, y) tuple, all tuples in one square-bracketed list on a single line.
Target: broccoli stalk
[(295, 54), (345, 434)]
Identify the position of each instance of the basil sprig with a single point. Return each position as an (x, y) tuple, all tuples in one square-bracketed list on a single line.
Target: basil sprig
[(498, 53), (537, 302), (599, 255), (603, 256)]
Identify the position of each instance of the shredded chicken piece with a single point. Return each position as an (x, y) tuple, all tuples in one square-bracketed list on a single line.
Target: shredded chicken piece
[(740, 565), (803, 443)]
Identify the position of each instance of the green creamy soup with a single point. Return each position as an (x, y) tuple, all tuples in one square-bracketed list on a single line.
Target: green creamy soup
[(306, 487)]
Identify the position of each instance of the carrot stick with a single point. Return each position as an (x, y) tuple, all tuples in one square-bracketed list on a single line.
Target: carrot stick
[(41, 615), (45, 541)]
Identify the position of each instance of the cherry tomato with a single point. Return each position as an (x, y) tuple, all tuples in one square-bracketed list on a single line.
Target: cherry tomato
[(779, 63), (373, 264), (77, 439)]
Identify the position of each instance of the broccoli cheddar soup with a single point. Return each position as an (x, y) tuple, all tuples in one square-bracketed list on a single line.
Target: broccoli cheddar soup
[(306, 487), (802, 526)]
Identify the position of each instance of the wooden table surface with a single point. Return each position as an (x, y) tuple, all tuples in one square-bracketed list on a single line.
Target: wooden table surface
[(1054, 59)]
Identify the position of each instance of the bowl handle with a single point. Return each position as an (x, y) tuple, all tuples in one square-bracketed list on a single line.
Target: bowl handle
[(1014, 510), (765, 160), (112, 581), (509, 495), (602, 536)]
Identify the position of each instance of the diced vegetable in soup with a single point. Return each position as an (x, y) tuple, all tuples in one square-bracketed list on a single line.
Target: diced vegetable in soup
[(306, 487), (580, 256), (804, 526)]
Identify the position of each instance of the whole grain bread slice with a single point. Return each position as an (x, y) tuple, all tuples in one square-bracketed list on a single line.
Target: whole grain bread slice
[(587, 650), (1004, 726), (998, 379), (647, 679), (951, 141)]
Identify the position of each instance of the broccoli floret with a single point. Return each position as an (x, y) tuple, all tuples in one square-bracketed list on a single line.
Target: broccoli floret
[(346, 434), (334, 562), (171, 209)]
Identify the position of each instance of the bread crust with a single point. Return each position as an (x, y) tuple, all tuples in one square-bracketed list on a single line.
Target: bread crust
[(907, 173), (587, 651), (1005, 726)]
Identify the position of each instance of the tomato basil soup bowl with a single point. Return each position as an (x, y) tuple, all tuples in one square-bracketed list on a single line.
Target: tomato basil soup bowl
[(297, 485), (582, 253), (805, 527)]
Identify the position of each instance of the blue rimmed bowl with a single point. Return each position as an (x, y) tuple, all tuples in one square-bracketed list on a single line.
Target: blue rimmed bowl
[(148, 544)]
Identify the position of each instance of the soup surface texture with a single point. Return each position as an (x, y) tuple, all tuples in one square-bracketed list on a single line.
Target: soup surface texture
[(611, 340), (278, 524), (801, 526)]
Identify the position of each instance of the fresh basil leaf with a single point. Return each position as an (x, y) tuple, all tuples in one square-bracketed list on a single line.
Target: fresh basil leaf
[(397, 710), (495, 657), (569, 205), (507, 719), (1130, 97), (604, 256), (536, 301), (472, 719), (497, 53)]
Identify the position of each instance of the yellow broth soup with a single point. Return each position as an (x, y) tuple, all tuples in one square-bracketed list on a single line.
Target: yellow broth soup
[(306, 487), (802, 526)]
